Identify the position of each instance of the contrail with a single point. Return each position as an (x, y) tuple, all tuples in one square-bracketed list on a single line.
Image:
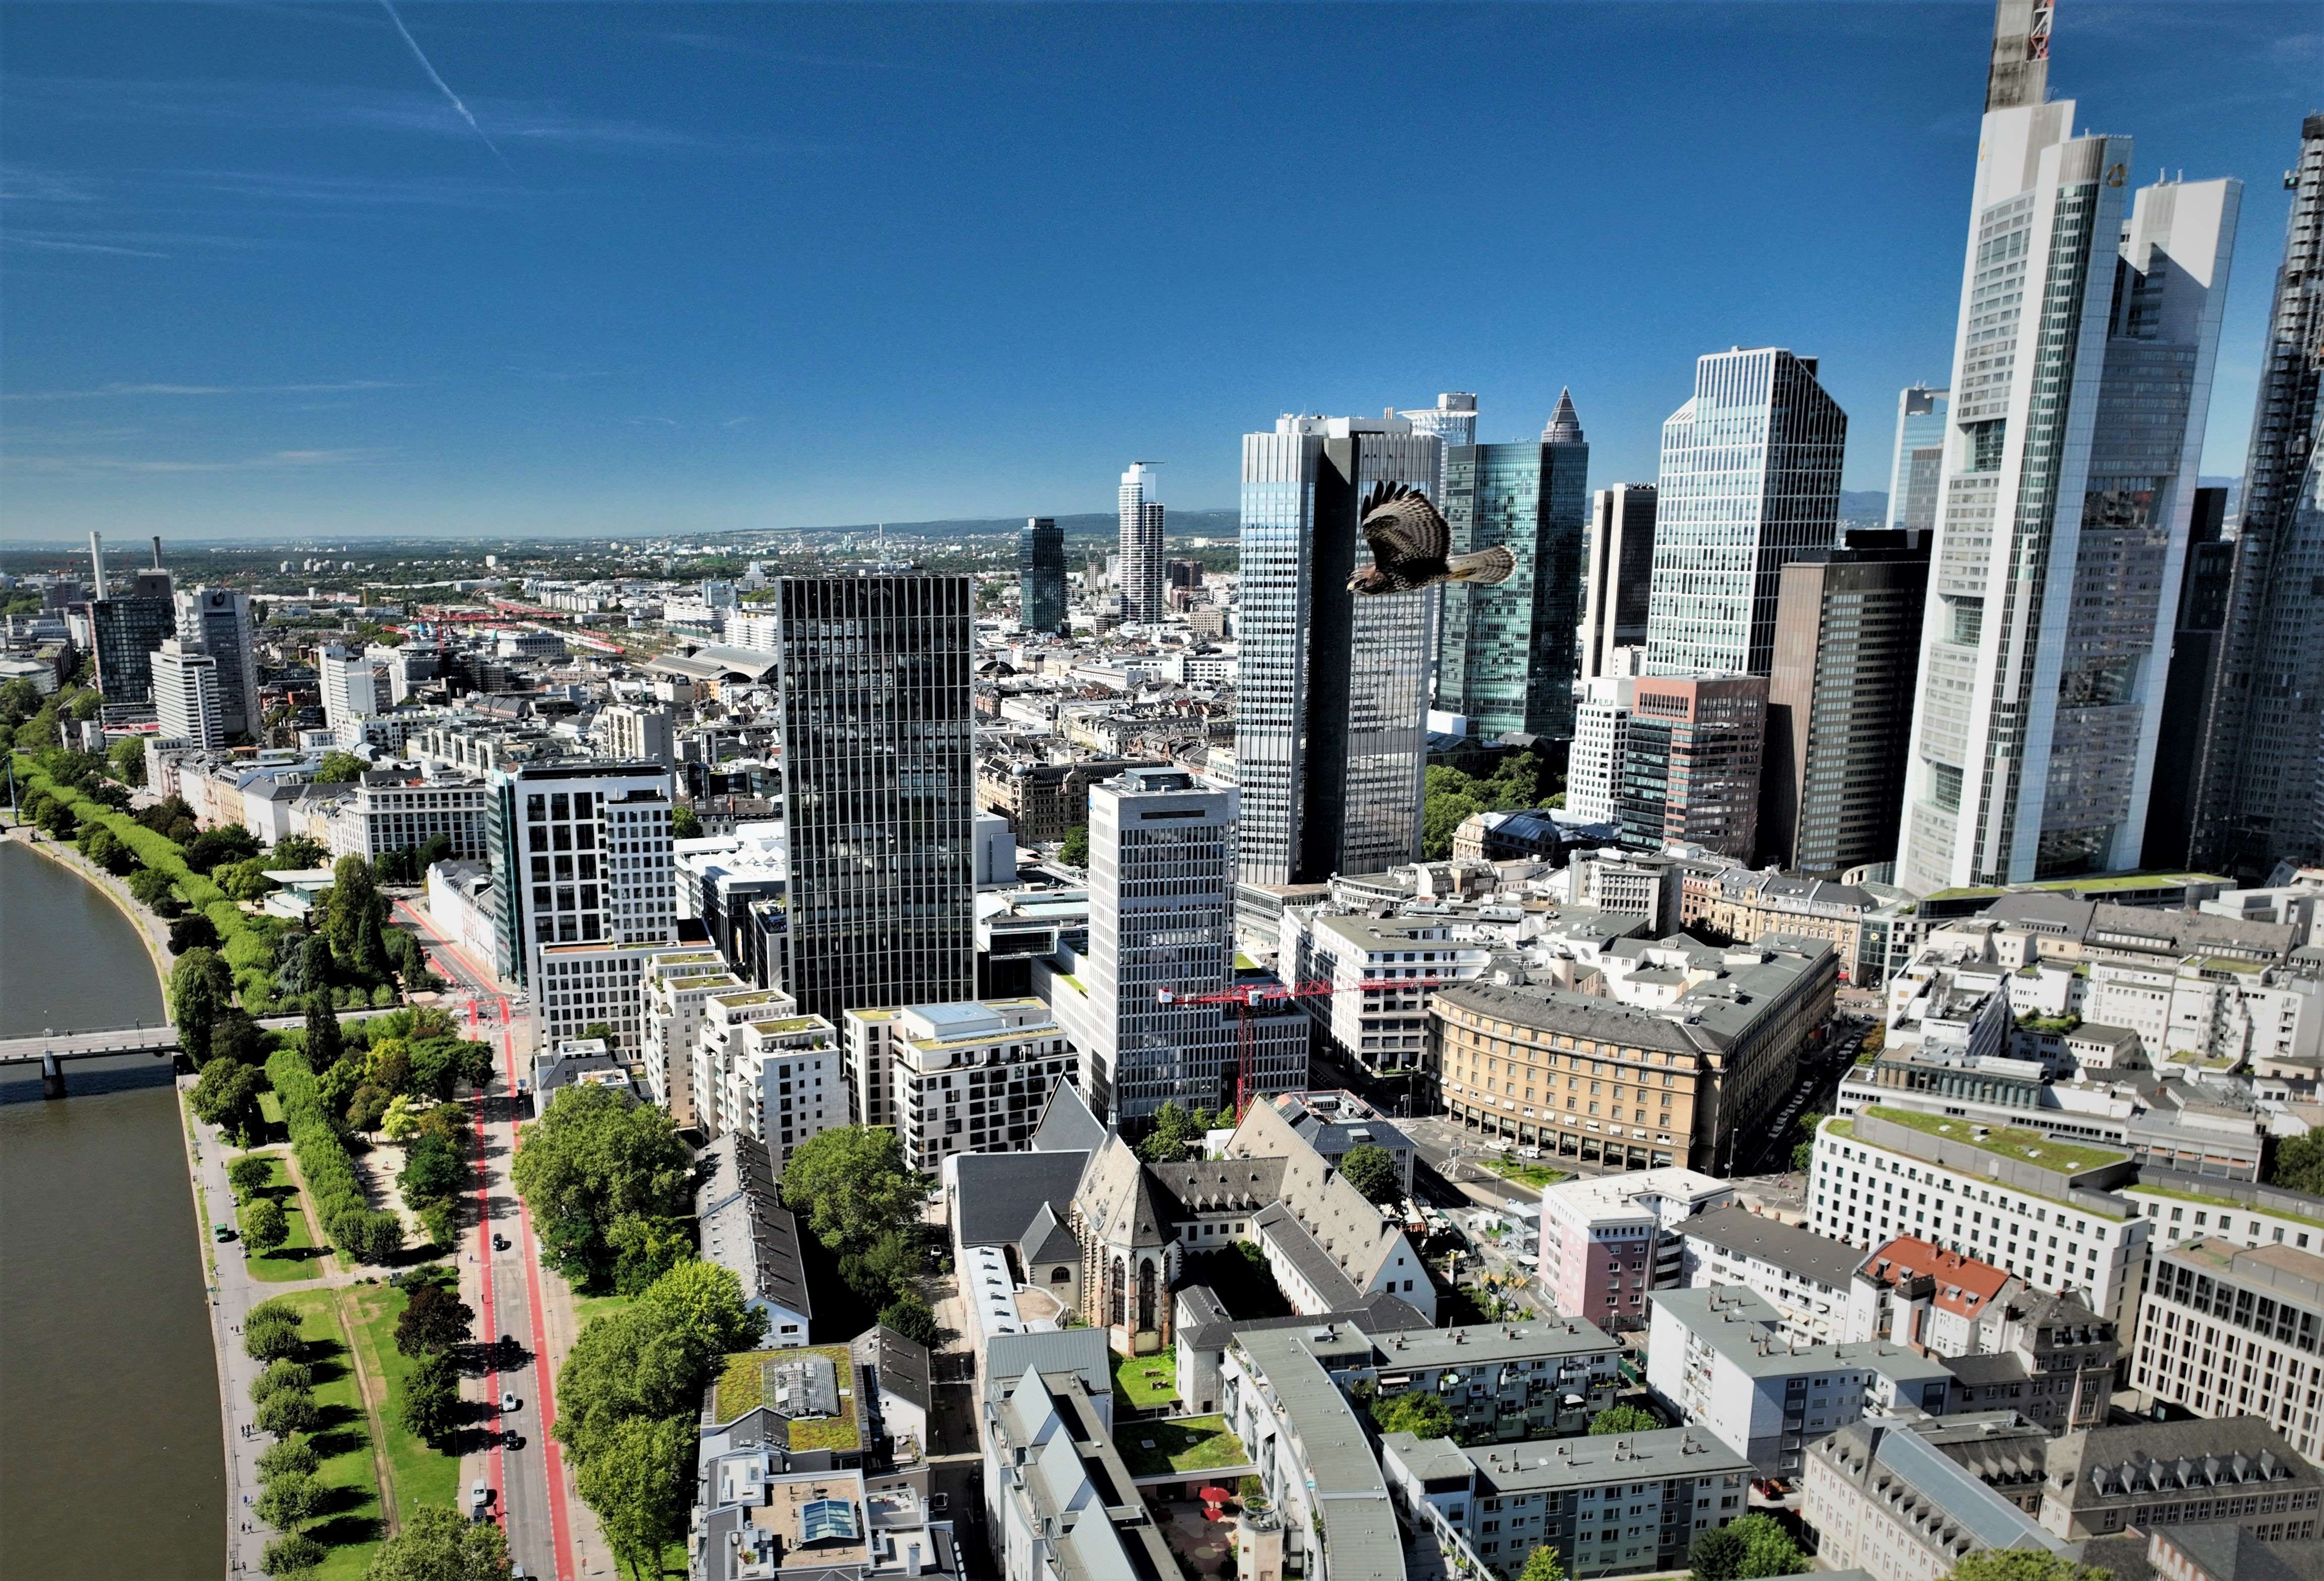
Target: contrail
[(443, 86)]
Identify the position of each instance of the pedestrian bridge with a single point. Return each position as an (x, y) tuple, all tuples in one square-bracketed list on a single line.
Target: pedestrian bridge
[(50, 1051)]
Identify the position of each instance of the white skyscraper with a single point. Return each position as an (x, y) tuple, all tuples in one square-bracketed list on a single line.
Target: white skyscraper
[(2090, 319), (1920, 457), (349, 691), (186, 695), (216, 622), (1142, 544)]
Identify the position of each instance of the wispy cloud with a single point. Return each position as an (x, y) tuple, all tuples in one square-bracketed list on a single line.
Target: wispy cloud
[(32, 242), (332, 388), (266, 461), (436, 78)]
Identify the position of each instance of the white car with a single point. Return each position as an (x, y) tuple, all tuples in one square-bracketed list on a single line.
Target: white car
[(480, 1494), (508, 1402)]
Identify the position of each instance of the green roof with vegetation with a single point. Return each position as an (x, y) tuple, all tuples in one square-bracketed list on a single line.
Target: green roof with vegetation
[(2007, 1142), (742, 1386), (1182, 1444)]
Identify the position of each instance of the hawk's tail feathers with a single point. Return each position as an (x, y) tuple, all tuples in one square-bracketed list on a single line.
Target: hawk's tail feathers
[(1495, 564)]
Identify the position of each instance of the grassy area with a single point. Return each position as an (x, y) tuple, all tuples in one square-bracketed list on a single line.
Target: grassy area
[(349, 1526), (1537, 1176), (587, 1307), (298, 1257), (201, 1197), (1146, 1381), (1185, 1444), (744, 1383), (2007, 1142), (270, 1106), (422, 1475)]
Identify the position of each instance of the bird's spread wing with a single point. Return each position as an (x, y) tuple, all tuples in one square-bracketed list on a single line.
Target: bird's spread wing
[(1401, 525)]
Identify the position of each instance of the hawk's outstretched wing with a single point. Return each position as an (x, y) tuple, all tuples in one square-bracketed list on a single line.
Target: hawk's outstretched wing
[(1403, 528)]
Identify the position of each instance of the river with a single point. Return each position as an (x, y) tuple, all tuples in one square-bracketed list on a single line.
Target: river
[(111, 1454)]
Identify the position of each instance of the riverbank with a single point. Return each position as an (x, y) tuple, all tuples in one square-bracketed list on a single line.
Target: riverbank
[(151, 931)]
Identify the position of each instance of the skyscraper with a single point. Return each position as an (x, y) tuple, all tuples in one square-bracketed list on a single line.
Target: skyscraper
[(1453, 421), (350, 692), (1506, 658), (1689, 762), (1620, 576), (1839, 703), (1331, 689), (2203, 589), (216, 622), (1041, 576), (1750, 479), (2258, 796), (879, 789), (2082, 380), (1920, 451), (1142, 544), (126, 629), (186, 694)]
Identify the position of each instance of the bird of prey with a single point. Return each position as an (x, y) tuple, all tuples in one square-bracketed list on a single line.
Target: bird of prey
[(1409, 541)]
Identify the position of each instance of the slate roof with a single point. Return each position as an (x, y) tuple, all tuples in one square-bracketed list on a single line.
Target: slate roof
[(1803, 1252), (745, 1227), (1066, 1125), (902, 1363), (1001, 1194), (1121, 1201)]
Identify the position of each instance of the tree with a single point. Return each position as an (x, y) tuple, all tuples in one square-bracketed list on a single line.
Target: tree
[(1075, 851), (640, 1484), (2299, 1164), (401, 1121), (338, 768), (289, 1411), (290, 1454), (213, 848), (324, 1040), (149, 886), (1172, 1134), (1440, 817), (1717, 1555), (432, 1172), (1543, 1565), (290, 1501), (269, 1332), (192, 931), (128, 761), (593, 1157), (1622, 1418), (437, 1545), (198, 984), (683, 825), (2025, 1565), (910, 1315), (248, 1173), (1421, 1413), (367, 1108), (433, 1321), (432, 1398), (1768, 1549), (702, 1302), (1372, 1169), (645, 1248), (226, 1096), (101, 847), (852, 1183), (352, 918), (295, 852), (265, 1227), (294, 1553), (279, 1376)]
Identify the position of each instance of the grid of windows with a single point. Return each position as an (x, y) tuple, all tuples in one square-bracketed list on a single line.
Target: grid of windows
[(1508, 656)]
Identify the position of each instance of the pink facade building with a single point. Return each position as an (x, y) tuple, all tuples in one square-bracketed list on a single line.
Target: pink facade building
[(1606, 1241)]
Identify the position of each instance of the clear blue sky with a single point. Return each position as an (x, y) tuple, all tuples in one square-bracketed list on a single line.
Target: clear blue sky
[(780, 266)]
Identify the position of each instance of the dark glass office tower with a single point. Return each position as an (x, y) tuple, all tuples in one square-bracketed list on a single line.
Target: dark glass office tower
[(1507, 658), (2203, 587), (1041, 574), (127, 629), (879, 789)]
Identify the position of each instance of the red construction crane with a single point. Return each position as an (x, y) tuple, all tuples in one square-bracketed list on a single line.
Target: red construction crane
[(1247, 997)]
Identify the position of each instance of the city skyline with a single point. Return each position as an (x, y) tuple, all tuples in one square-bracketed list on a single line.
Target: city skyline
[(421, 368)]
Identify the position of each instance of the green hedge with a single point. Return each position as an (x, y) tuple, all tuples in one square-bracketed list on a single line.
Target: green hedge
[(351, 1224)]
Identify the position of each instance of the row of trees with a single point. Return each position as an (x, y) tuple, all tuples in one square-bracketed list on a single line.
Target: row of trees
[(372, 1235), (628, 1397), (290, 1496), (863, 1204), (433, 1326), (610, 1185)]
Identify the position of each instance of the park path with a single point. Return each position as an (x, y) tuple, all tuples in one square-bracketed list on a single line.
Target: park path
[(373, 1391)]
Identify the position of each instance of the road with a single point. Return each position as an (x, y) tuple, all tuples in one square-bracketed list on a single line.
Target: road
[(500, 1278)]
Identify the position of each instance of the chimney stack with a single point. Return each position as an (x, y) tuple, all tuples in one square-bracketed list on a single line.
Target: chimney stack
[(157, 551), (97, 562)]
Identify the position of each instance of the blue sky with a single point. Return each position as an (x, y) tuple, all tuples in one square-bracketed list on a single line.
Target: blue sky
[(705, 267)]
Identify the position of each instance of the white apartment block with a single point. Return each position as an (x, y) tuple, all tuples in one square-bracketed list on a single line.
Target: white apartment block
[(2230, 1331), (349, 693), (186, 695), (1601, 719), (1384, 1027), (2196, 1207), (678, 982), (2209, 1010), (778, 1082), (2049, 1212), (972, 1077), (375, 820)]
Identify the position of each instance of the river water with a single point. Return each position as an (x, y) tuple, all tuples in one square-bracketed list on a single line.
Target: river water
[(111, 1456)]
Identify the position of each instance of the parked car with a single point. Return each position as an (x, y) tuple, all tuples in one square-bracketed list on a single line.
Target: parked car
[(227, 1231)]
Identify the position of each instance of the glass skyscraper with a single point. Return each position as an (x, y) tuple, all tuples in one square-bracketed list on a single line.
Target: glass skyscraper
[(1619, 575), (216, 621), (1507, 657), (2082, 380), (1141, 545), (1920, 451), (126, 629), (879, 789), (1751, 481), (1041, 574), (1332, 690), (2260, 797)]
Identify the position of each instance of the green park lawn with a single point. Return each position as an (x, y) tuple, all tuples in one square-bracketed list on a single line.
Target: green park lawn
[(349, 1526), (1537, 1176), (269, 1107), (422, 1475), (296, 1258), (1182, 1444), (1145, 1381)]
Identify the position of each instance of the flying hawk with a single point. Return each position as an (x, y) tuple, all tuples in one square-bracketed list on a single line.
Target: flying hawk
[(1408, 540)]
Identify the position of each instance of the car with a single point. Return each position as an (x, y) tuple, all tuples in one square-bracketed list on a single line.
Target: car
[(499, 1242), (479, 1495), (508, 1402), (225, 1231), (512, 1439)]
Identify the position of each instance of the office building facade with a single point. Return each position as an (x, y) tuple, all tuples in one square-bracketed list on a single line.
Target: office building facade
[(1452, 420), (125, 630), (2206, 579), (1619, 578), (1141, 545), (186, 695), (1920, 456), (1840, 706), (2089, 321), (350, 690), (1332, 691), (215, 621), (1507, 657), (879, 789), (1691, 762), (2260, 800), (1041, 576), (1749, 481)]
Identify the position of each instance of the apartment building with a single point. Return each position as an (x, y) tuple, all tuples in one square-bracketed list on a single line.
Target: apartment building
[(972, 1077), (391, 811), (2228, 1330), (1381, 970), (778, 1082), (2181, 1207), (1540, 1379), (1805, 1276), (1058, 1502), (1316, 1465), (1893, 1499), (678, 984), (1606, 1241)]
